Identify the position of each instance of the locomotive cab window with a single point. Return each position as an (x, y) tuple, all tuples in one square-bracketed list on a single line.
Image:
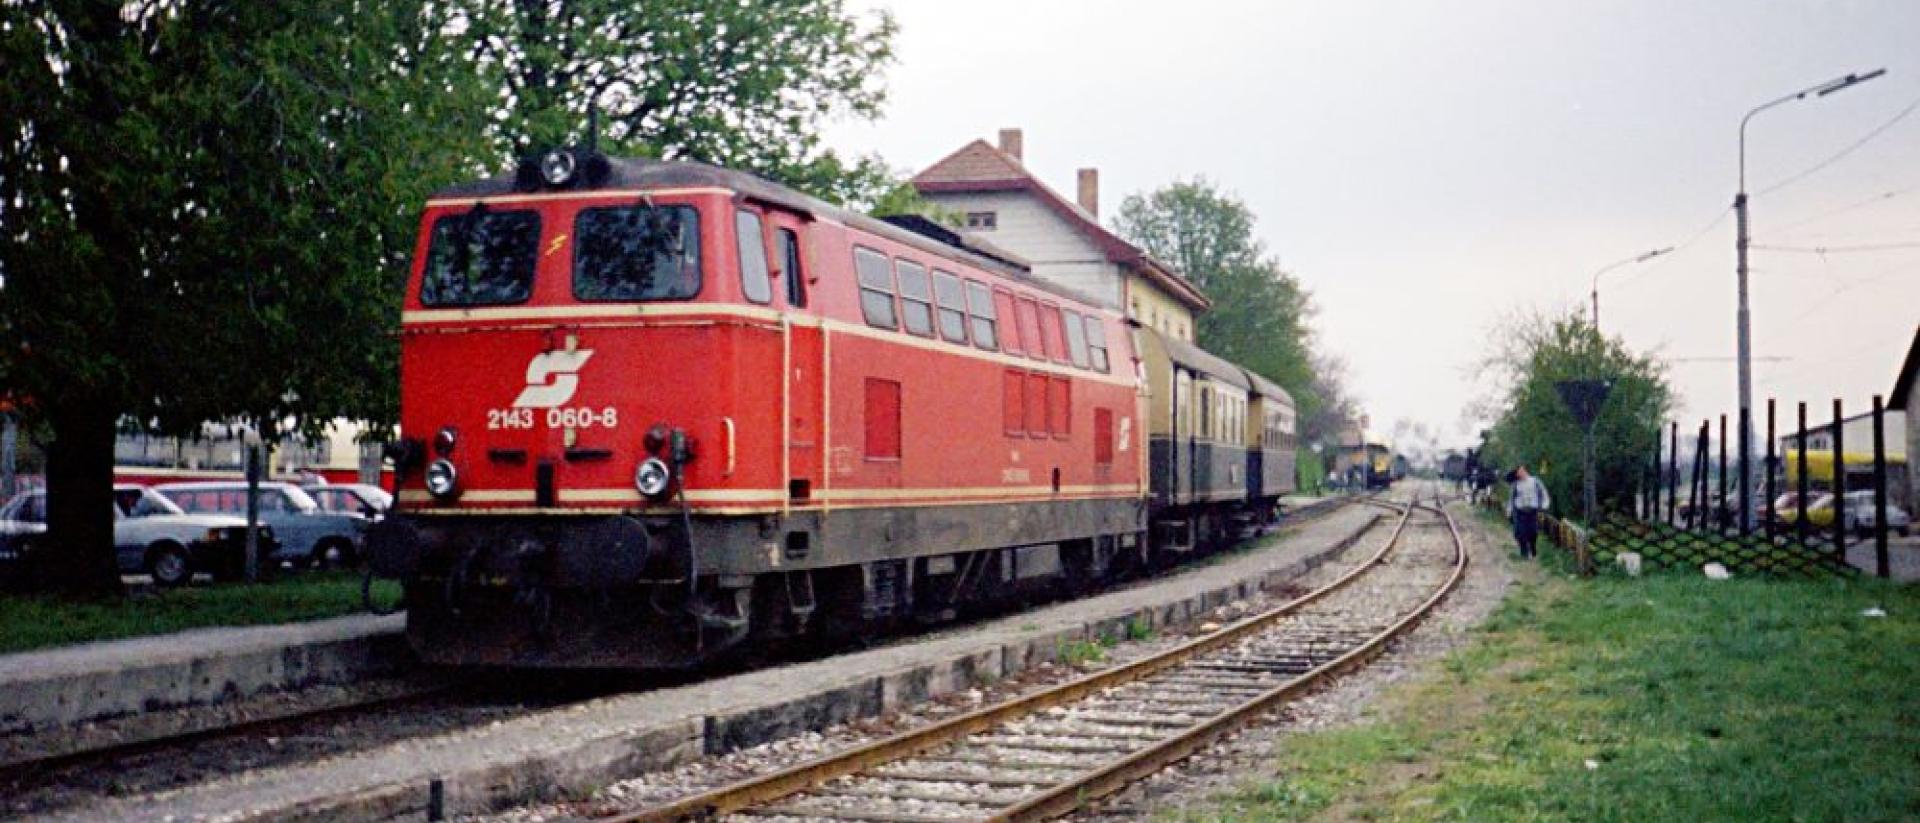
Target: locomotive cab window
[(636, 253), (791, 268), (916, 298), (875, 272), (753, 257), (480, 258)]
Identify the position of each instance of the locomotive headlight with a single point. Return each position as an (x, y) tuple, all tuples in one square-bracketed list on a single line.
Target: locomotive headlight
[(443, 480), (557, 168), (652, 477), (445, 440)]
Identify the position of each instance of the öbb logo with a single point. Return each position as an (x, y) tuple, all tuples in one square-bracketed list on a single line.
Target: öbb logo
[(552, 378)]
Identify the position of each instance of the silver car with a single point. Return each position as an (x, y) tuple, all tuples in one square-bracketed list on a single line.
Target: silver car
[(308, 535), (1860, 518), (150, 535)]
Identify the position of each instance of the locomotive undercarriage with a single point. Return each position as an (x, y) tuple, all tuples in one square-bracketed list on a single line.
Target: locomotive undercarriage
[(612, 591)]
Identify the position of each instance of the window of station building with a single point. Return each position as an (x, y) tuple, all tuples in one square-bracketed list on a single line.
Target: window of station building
[(1010, 341), (752, 244), (1097, 344), (916, 298), (951, 297), (1037, 417), (984, 321), (875, 273), (791, 267), (1060, 407), (983, 220), (883, 419), (636, 253), (1050, 333), (481, 257), (1103, 437), (1030, 328), (1013, 403), (1076, 338)]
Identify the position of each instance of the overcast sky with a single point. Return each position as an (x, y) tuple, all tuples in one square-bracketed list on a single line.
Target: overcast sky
[(1428, 167)]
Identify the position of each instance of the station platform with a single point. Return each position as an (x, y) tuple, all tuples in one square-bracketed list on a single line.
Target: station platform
[(69, 685), (572, 749)]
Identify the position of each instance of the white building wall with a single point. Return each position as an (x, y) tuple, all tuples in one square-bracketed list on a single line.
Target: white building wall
[(1056, 250)]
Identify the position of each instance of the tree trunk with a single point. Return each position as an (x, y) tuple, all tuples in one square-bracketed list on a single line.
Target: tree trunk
[(76, 558)]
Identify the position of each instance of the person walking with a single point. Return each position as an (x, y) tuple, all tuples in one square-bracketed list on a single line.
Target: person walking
[(1526, 500)]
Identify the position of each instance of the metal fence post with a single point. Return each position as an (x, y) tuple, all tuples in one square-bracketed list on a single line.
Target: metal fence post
[(1745, 487), (1650, 502), (1767, 526), (9, 456), (1881, 562), (1720, 505), (1839, 482), (1672, 480)]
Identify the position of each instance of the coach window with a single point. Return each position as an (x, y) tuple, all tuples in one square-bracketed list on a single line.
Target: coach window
[(481, 257), (1029, 312), (636, 253), (875, 272), (916, 298), (980, 311), (1076, 339), (1097, 343), (951, 298), (1206, 414), (1009, 331), (791, 268), (752, 244)]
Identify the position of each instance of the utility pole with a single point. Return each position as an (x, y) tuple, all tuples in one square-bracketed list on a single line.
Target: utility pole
[(1743, 317)]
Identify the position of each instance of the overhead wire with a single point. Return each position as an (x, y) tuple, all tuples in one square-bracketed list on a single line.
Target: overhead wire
[(1842, 154), (1826, 250)]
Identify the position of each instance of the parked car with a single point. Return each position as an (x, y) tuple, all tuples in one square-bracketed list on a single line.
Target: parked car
[(308, 535), (1860, 515), (357, 499), (150, 535)]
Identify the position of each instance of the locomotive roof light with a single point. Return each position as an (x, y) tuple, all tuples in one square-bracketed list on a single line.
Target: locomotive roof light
[(653, 477), (443, 480), (557, 167), (445, 440)]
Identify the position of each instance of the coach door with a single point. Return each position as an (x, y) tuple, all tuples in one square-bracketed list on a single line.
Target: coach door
[(804, 356)]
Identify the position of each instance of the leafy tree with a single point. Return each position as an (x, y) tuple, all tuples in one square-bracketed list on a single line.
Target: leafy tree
[(1260, 312), (1533, 426), (742, 85), (205, 209)]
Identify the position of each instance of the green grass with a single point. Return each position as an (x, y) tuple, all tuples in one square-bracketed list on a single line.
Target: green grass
[(1691, 699), (1085, 651), (39, 622)]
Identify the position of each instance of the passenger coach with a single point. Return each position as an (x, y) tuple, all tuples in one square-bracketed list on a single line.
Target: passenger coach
[(654, 408)]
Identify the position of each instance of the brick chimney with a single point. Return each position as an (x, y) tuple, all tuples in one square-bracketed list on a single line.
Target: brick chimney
[(1010, 143), (1090, 191)]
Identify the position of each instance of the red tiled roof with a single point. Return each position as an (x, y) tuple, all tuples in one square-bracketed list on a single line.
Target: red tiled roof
[(979, 167)]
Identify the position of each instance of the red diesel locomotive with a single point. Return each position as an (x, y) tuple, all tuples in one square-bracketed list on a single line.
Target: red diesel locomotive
[(656, 408)]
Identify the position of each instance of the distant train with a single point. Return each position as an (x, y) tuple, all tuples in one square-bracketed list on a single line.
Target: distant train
[(654, 410)]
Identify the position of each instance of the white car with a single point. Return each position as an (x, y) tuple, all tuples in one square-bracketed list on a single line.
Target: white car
[(150, 535), (1860, 515)]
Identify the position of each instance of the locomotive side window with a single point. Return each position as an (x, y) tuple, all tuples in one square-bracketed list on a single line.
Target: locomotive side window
[(980, 310), (876, 287), (952, 298), (1097, 343), (916, 298), (753, 257), (1050, 333), (1010, 333), (790, 265), (481, 258), (1029, 313), (1076, 339), (636, 253)]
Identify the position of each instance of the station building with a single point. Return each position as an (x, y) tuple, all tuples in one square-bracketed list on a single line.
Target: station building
[(999, 200)]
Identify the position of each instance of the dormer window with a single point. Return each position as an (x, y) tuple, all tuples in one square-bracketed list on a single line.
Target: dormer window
[(983, 220)]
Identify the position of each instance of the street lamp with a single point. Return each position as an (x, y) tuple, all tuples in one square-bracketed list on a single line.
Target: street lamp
[(1642, 258), (1745, 352)]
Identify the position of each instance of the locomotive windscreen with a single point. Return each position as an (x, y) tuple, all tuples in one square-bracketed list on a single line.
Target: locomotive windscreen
[(637, 253), (481, 257)]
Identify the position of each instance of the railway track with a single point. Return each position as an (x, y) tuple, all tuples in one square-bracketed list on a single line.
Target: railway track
[(1049, 753)]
